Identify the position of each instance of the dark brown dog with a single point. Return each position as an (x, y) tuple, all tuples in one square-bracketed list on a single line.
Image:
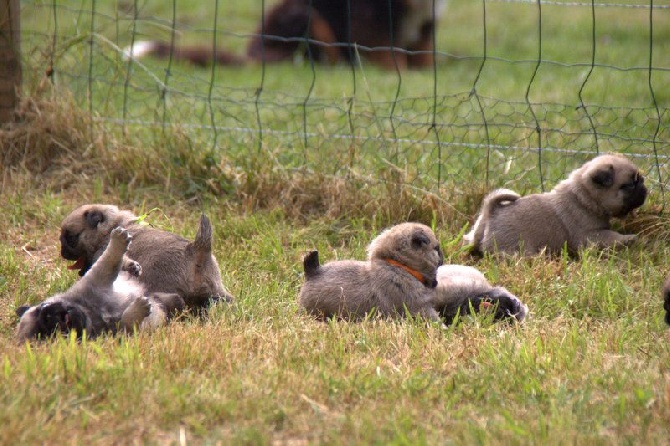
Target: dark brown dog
[(393, 34), (169, 263)]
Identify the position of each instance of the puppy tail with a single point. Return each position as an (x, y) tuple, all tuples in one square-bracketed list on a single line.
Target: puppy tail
[(493, 201), (311, 264), (203, 239)]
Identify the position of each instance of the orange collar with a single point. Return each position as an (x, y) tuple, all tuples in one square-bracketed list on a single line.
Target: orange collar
[(417, 275)]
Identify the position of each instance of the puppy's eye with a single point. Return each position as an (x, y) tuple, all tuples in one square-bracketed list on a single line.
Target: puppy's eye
[(419, 240), (635, 182)]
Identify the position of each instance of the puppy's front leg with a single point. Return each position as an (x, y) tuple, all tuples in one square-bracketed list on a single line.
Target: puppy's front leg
[(131, 266), (106, 269), (430, 314), (606, 238)]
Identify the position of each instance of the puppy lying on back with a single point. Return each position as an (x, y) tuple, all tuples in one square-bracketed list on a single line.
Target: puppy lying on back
[(462, 288), (399, 278), (169, 263), (574, 214), (102, 301)]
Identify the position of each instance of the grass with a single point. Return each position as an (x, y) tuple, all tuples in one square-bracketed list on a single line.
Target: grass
[(591, 365)]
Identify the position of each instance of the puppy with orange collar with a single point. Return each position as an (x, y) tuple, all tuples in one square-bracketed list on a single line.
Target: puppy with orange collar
[(398, 278)]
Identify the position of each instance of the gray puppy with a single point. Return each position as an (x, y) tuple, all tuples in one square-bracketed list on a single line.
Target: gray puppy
[(576, 213), (399, 278), (169, 263), (102, 301), (461, 289), (666, 300)]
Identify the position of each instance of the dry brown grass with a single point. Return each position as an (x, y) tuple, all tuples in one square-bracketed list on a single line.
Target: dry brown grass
[(50, 141), (652, 222), (56, 145)]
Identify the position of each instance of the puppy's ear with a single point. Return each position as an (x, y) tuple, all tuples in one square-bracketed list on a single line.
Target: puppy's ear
[(22, 309), (93, 218), (419, 239), (603, 176)]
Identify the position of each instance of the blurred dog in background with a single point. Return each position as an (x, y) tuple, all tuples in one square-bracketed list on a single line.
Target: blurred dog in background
[(392, 34)]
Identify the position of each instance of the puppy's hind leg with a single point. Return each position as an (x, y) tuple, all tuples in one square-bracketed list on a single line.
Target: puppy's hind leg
[(106, 269), (172, 303), (138, 310), (164, 306), (149, 313)]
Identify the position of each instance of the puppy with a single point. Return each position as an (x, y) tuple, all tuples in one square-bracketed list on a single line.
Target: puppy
[(461, 288), (169, 263), (576, 213), (102, 301), (666, 300), (398, 278)]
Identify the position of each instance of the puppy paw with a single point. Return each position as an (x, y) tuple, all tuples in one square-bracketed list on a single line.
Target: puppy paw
[(119, 234), (224, 297), (132, 267), (136, 312), (142, 306)]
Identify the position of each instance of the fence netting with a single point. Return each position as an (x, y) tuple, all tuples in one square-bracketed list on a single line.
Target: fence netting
[(515, 92)]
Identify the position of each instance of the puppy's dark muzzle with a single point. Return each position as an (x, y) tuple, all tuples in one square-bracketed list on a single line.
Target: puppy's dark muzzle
[(433, 283), (67, 253), (68, 248), (635, 199)]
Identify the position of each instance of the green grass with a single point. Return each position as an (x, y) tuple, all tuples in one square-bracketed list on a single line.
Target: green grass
[(313, 116), (591, 365)]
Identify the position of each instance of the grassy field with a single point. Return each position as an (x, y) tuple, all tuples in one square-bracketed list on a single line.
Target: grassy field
[(591, 365), (447, 125)]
